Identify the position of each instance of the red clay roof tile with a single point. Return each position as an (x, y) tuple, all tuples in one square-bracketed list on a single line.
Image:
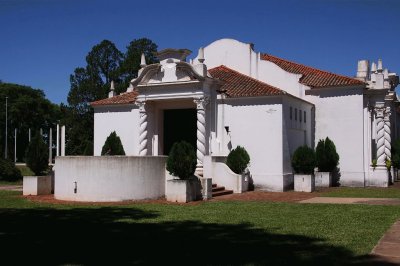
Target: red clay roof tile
[(312, 77), (237, 84), (125, 98)]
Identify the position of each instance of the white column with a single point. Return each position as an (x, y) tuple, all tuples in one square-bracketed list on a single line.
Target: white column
[(380, 135), (201, 104), (142, 128), (29, 134), (62, 140), (58, 141), (50, 146), (383, 134), (387, 132)]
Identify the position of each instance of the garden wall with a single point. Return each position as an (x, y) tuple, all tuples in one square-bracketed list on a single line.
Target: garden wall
[(109, 178)]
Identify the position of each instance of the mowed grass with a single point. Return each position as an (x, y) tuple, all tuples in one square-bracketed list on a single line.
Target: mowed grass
[(208, 233), (368, 192)]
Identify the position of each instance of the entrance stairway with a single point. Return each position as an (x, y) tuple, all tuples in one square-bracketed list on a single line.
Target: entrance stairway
[(220, 191)]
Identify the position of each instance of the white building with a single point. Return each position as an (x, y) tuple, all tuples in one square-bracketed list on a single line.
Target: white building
[(231, 95)]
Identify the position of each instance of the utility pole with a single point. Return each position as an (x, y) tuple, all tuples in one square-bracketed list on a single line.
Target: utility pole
[(5, 149), (15, 145)]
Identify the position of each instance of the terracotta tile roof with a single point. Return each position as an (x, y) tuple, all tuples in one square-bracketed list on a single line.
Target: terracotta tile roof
[(125, 98), (312, 77), (237, 84)]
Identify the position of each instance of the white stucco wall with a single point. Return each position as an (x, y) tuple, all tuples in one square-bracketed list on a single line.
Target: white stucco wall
[(124, 120), (109, 178), (256, 124), (339, 116), (296, 131)]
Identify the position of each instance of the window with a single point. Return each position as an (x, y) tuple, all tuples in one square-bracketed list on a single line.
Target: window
[(304, 116), (291, 112), (300, 115), (295, 114)]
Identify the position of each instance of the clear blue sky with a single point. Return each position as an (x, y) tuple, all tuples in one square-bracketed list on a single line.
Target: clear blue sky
[(42, 41)]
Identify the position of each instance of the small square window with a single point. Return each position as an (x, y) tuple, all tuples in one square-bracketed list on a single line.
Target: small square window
[(305, 117), (291, 112), (295, 114)]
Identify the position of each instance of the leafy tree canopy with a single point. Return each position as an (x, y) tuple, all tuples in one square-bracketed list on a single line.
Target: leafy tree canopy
[(27, 109)]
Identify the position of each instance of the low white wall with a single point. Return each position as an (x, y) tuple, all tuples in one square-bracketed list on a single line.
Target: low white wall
[(222, 175), (109, 178)]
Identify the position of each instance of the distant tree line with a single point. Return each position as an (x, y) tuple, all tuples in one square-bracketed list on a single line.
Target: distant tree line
[(28, 107)]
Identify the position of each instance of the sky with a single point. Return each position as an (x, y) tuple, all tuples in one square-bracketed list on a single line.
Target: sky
[(43, 41)]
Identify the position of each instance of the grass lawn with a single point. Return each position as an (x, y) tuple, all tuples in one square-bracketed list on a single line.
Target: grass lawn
[(210, 233), (369, 192)]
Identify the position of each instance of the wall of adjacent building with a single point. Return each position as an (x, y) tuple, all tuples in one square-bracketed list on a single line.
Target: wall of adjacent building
[(124, 120), (255, 124), (339, 115), (297, 130)]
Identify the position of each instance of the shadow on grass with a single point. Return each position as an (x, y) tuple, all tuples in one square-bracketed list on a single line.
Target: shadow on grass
[(89, 236)]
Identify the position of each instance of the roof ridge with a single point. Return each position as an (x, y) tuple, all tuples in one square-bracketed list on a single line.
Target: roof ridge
[(267, 57), (254, 79)]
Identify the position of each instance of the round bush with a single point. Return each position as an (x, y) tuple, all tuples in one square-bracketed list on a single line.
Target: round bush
[(303, 160), (238, 160), (326, 155), (113, 145), (8, 171), (182, 160)]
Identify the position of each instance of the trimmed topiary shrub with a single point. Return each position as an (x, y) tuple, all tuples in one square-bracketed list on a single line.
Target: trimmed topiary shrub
[(182, 160), (8, 171), (37, 155), (303, 160), (327, 158), (113, 145), (238, 160)]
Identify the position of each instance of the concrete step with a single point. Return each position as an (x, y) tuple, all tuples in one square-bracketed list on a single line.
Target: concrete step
[(215, 189), (221, 193)]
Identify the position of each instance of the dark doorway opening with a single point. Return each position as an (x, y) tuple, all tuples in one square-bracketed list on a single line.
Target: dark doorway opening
[(179, 124)]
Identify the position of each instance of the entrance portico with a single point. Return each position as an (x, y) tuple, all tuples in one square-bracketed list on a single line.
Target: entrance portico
[(174, 84)]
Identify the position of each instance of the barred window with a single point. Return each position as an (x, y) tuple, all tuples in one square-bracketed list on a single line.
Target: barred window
[(305, 117)]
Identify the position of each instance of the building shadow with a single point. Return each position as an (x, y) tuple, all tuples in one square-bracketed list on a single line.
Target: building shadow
[(126, 236)]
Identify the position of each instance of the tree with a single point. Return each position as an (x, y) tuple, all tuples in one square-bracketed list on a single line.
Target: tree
[(27, 109), (303, 160), (105, 59), (113, 145), (37, 155), (238, 160), (327, 158), (182, 160), (131, 64)]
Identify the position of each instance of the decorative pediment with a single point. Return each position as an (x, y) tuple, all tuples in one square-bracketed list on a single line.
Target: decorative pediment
[(169, 70)]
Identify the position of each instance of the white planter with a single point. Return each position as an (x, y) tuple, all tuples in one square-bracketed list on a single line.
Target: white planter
[(183, 190), (378, 177), (36, 185), (304, 183), (323, 179)]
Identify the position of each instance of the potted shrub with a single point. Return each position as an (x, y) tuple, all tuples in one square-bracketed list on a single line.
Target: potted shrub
[(238, 160), (37, 159), (113, 145), (303, 163), (327, 160), (181, 164)]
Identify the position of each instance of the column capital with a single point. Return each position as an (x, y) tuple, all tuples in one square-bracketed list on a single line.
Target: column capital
[(201, 102), (379, 111), (141, 105)]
